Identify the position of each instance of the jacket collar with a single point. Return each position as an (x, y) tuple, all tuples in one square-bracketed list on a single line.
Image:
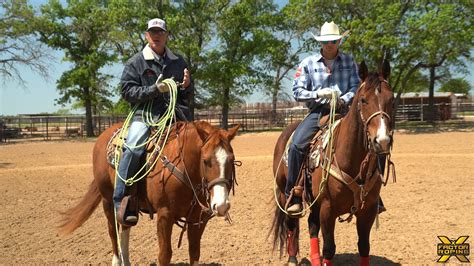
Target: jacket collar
[(148, 53)]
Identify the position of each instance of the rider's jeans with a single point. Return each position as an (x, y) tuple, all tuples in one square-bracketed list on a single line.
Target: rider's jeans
[(138, 133), (302, 137)]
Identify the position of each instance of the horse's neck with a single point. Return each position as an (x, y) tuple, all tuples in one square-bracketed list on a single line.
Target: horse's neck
[(190, 151), (350, 150)]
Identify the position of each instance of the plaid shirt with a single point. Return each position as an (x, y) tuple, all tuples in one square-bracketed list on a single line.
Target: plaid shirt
[(313, 74)]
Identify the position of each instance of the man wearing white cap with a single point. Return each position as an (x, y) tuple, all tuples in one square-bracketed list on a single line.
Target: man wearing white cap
[(140, 83), (316, 78)]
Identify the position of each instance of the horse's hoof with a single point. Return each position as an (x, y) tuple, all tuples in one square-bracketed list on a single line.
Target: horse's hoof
[(292, 261)]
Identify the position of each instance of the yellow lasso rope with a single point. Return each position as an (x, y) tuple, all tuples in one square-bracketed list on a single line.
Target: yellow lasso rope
[(164, 122), (332, 116)]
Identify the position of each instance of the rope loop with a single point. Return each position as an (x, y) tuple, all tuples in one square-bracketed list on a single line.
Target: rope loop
[(326, 168)]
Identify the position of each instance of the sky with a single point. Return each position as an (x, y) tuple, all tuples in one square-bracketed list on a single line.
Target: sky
[(39, 94)]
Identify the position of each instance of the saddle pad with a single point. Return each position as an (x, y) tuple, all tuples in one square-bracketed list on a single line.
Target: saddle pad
[(112, 147), (115, 141)]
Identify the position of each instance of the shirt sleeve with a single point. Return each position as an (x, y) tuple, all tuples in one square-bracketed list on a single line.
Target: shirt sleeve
[(132, 89), (302, 87), (353, 83)]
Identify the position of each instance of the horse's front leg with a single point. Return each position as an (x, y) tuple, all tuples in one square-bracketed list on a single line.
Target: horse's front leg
[(164, 226), (314, 226), (365, 220), (124, 236), (328, 222), (194, 239)]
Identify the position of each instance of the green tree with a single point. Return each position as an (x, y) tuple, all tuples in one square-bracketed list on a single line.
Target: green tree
[(417, 82), (282, 51), (18, 44), (412, 35), (453, 23), (79, 29), (240, 33), (191, 22), (456, 85)]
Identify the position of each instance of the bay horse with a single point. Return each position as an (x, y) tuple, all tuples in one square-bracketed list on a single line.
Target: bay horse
[(363, 135), (204, 157)]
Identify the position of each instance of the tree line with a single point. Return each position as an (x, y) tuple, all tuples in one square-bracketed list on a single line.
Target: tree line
[(233, 48)]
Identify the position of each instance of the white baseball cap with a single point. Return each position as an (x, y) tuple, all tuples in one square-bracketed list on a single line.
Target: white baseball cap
[(157, 23)]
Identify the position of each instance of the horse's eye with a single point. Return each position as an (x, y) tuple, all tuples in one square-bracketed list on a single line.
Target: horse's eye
[(364, 101), (208, 162)]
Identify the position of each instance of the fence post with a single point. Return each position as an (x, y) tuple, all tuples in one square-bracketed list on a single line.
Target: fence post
[(47, 127)]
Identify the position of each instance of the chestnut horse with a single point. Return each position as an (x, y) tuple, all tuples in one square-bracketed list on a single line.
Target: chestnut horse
[(363, 135), (204, 157)]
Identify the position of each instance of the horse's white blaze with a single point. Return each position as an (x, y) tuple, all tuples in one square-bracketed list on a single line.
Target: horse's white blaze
[(220, 200), (124, 241), (382, 134)]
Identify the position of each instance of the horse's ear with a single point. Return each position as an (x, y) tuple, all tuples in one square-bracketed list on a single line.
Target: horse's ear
[(385, 69), (203, 133), (232, 132), (363, 71)]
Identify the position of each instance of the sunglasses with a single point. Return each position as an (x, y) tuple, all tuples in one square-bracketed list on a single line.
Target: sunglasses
[(326, 42), (157, 31)]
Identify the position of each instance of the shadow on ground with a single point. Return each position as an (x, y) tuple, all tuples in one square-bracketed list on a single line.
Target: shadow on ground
[(353, 259), (4, 165)]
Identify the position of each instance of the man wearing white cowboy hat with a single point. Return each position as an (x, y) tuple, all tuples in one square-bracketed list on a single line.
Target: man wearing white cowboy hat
[(317, 78)]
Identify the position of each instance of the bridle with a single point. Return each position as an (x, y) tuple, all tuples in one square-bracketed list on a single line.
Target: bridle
[(204, 187), (230, 183), (370, 163), (366, 122)]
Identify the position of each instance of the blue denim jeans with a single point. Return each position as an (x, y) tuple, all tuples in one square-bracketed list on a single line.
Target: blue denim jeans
[(302, 137), (129, 164)]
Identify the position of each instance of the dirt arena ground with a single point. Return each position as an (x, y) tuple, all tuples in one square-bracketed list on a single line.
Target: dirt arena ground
[(433, 196)]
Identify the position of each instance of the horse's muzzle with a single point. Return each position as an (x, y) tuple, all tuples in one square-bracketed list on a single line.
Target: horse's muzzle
[(221, 209), (382, 145), (220, 203)]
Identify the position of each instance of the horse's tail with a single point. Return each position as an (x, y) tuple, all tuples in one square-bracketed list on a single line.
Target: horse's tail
[(78, 215), (280, 228), (281, 222)]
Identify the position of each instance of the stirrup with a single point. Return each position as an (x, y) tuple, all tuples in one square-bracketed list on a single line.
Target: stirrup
[(126, 216), (295, 211), (295, 208), (131, 219)]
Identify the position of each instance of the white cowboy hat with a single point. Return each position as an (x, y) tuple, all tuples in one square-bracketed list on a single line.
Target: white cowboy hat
[(329, 32)]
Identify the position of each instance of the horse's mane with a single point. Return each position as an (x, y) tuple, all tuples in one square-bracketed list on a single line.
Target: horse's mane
[(372, 81)]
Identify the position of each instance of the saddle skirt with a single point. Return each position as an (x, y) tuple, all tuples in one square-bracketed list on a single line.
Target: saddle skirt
[(317, 146)]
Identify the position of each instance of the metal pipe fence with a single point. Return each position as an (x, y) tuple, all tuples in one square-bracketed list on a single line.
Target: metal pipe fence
[(50, 127)]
